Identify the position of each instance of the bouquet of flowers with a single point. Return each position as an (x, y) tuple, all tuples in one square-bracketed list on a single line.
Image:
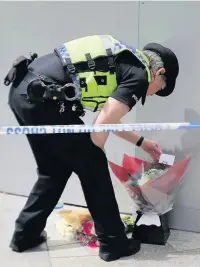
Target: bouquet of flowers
[(152, 186), (78, 225)]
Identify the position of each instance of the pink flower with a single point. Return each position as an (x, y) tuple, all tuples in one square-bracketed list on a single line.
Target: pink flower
[(88, 227)]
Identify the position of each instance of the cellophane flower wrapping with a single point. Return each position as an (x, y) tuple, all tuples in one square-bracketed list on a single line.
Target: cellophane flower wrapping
[(151, 185)]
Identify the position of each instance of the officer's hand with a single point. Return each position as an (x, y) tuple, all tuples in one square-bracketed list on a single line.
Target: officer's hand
[(152, 148)]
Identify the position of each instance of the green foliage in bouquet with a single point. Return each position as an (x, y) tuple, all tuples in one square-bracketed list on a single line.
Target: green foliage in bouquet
[(128, 223), (152, 171)]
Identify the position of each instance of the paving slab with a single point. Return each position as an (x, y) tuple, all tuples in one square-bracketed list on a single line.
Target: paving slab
[(182, 249), (184, 241), (9, 209), (149, 256)]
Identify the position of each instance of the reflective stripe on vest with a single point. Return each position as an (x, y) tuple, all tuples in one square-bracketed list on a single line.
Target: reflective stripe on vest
[(119, 46), (95, 86)]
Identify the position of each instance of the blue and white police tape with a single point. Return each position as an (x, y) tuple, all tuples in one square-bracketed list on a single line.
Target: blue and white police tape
[(60, 129)]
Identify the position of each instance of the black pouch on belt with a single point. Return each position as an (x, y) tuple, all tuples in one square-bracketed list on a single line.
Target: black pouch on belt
[(19, 70)]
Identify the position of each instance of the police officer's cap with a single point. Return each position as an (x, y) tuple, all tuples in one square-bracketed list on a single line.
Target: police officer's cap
[(171, 66)]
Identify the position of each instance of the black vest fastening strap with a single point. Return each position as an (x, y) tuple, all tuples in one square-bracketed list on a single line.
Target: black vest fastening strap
[(110, 60)]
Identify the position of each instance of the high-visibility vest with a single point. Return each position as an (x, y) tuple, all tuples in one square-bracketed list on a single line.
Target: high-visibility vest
[(95, 86)]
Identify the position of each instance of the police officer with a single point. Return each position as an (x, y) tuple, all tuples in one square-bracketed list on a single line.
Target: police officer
[(98, 73)]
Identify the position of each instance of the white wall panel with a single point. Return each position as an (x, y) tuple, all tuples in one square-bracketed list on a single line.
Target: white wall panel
[(40, 27), (176, 25)]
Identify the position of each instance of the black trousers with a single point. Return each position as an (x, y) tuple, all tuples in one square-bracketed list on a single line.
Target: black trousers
[(57, 156)]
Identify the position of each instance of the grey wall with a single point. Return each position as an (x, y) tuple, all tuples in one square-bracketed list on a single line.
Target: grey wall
[(175, 25), (40, 26)]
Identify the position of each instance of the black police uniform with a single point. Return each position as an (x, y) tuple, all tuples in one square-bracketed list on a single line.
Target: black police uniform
[(59, 155)]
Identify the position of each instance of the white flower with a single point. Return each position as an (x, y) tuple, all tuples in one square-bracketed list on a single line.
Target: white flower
[(66, 230)]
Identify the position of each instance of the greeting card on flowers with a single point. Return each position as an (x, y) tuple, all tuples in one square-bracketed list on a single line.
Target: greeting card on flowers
[(167, 159)]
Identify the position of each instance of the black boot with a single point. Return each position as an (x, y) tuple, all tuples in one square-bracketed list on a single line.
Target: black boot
[(114, 251), (20, 245)]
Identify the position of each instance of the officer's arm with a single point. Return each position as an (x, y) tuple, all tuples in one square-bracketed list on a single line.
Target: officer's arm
[(111, 113), (131, 137)]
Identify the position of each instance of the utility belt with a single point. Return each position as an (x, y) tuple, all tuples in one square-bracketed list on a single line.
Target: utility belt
[(41, 88)]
